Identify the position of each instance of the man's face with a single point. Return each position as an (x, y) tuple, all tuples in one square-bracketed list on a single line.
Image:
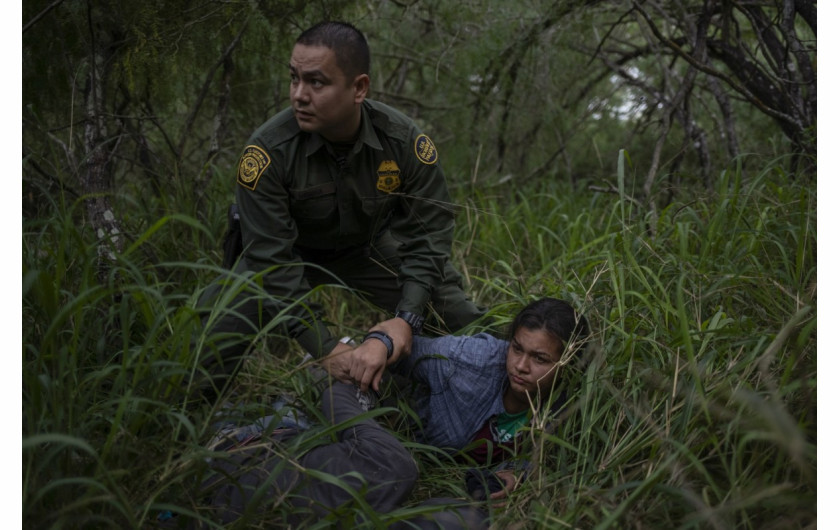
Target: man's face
[(324, 99), (532, 362)]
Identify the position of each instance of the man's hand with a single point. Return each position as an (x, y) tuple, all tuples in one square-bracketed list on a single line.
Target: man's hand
[(400, 332), (368, 364), (370, 358), (339, 362)]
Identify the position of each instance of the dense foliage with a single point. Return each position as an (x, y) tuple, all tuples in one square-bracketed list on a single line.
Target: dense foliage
[(699, 410), (681, 219)]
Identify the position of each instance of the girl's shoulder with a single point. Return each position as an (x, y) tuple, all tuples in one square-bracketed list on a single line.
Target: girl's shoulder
[(481, 347)]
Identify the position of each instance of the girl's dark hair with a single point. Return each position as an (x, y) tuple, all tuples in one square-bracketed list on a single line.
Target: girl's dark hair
[(558, 318), (348, 43)]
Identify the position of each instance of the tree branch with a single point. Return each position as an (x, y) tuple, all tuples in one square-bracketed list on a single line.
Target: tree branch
[(737, 86), (205, 88), (41, 15)]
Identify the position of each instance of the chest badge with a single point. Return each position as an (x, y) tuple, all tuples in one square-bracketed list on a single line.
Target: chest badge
[(389, 176)]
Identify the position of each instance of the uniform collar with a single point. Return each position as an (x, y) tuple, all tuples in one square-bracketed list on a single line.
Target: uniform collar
[(367, 135)]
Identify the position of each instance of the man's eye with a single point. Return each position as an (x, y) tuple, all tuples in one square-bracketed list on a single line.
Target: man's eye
[(317, 83)]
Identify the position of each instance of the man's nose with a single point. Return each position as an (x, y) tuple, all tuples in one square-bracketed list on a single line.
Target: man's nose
[(299, 92)]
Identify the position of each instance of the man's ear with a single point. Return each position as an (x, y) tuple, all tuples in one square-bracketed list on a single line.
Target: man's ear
[(361, 85)]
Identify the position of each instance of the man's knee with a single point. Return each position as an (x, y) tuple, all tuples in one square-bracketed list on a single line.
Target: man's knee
[(229, 321)]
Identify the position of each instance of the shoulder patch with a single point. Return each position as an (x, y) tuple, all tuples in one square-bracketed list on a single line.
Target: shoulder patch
[(251, 166), (425, 149)]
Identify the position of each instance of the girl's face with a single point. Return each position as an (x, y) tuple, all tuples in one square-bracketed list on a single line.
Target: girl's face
[(532, 363)]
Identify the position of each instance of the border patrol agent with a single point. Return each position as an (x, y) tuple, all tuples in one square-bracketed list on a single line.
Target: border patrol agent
[(338, 187)]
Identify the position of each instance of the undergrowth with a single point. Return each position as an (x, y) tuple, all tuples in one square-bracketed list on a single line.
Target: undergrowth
[(698, 409)]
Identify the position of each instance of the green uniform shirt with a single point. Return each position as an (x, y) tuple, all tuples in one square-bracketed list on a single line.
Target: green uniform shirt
[(293, 191)]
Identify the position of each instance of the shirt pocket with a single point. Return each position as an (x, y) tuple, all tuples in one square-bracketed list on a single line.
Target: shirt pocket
[(379, 206), (314, 207)]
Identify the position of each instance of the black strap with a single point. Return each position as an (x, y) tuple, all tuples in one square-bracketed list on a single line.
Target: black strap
[(386, 340), (232, 246)]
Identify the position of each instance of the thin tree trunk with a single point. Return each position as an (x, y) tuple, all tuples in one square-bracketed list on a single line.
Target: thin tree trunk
[(728, 120), (219, 132), (96, 175), (219, 119)]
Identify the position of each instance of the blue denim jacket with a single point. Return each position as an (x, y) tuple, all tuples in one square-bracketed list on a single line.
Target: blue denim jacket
[(466, 378)]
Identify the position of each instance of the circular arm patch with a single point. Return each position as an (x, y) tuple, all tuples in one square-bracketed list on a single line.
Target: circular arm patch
[(425, 149)]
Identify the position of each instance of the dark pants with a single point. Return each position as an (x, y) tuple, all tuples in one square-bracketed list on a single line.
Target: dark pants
[(371, 270), (364, 465)]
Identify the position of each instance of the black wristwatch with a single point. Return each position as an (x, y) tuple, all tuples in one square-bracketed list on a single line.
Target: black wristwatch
[(385, 339), (415, 321)]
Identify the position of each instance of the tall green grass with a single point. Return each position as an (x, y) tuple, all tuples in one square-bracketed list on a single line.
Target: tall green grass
[(698, 409)]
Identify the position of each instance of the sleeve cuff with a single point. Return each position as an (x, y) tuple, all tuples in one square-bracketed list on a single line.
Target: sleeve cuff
[(415, 296), (317, 340)]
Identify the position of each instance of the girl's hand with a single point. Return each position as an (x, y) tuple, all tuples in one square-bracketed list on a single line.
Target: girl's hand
[(508, 478)]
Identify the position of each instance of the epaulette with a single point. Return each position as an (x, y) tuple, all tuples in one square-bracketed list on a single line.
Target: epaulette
[(389, 120), (279, 129)]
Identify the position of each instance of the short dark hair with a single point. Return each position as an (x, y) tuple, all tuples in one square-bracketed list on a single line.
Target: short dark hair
[(345, 40), (559, 319)]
